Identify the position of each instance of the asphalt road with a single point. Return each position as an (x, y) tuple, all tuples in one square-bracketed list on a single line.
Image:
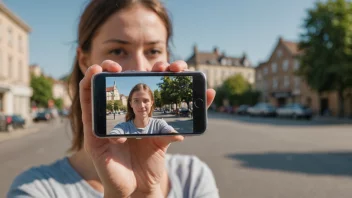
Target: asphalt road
[(250, 157)]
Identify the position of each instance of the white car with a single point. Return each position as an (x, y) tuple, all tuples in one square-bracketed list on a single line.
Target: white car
[(295, 111), (262, 109)]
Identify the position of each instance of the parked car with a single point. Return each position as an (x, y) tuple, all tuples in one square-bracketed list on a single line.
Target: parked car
[(5, 123), (185, 113), (262, 109), (242, 110), (295, 111), (18, 122), (42, 116)]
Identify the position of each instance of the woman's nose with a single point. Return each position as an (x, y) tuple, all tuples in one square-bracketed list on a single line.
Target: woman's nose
[(140, 63)]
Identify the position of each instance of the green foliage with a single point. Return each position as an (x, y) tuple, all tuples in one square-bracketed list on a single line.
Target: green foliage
[(59, 103), (42, 90), (237, 90), (174, 90), (157, 98), (326, 63)]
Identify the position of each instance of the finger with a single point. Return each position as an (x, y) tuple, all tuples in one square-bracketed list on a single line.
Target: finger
[(178, 66), (117, 140), (111, 66), (164, 141), (160, 66), (210, 96)]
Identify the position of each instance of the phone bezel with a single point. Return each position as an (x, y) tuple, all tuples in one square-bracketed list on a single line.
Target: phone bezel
[(99, 102)]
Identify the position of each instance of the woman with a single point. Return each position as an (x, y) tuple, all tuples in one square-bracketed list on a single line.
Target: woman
[(140, 106), (118, 35)]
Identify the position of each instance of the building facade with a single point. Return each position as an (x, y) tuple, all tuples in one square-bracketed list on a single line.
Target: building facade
[(60, 91), (15, 91), (112, 93), (278, 83), (218, 67)]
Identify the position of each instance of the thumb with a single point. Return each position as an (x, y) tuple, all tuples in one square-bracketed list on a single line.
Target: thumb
[(164, 141)]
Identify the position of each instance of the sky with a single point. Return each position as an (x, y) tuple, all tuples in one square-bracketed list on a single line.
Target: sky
[(125, 84), (234, 26)]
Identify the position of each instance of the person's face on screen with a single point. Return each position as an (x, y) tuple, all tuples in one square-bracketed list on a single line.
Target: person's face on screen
[(136, 38), (141, 103)]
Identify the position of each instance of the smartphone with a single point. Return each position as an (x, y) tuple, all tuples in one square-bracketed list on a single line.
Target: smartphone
[(140, 104)]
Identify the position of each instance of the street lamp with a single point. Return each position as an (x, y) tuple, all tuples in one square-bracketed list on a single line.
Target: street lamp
[(113, 102)]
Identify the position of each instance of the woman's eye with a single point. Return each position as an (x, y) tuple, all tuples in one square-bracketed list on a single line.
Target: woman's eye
[(153, 52), (117, 52)]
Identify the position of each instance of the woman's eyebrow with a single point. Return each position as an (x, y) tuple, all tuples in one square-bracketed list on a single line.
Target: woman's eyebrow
[(127, 42), (116, 41)]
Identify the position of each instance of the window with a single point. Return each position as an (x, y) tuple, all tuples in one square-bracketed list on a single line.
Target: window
[(223, 61), (279, 53), (259, 75), (275, 83), (286, 81), (20, 71), (274, 67), (249, 76), (285, 65), (10, 36), (296, 66), (20, 48), (265, 71), (297, 82), (9, 67)]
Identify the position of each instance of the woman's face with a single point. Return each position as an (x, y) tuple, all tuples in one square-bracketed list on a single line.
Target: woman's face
[(141, 103), (136, 38)]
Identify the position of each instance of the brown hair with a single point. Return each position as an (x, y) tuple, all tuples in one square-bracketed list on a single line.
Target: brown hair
[(138, 87), (93, 17)]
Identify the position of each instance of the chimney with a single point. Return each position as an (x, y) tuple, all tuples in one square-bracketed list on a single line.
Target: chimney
[(216, 51), (195, 49)]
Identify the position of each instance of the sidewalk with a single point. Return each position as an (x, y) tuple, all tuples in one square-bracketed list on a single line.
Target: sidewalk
[(17, 133), (333, 120)]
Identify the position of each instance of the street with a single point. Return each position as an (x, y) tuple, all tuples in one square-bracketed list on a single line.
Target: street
[(250, 157), (180, 124)]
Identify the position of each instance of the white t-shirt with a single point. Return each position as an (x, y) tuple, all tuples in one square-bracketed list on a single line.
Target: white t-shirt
[(189, 178)]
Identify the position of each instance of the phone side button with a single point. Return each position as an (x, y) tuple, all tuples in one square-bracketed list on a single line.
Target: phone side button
[(199, 103)]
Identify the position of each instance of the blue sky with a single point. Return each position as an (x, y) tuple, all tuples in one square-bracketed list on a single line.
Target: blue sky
[(125, 84), (234, 26)]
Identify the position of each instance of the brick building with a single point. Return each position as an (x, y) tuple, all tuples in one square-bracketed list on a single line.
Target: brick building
[(279, 85)]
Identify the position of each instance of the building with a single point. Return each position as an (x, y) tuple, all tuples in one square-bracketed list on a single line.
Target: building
[(112, 93), (15, 91), (35, 70), (278, 83), (60, 91), (218, 67)]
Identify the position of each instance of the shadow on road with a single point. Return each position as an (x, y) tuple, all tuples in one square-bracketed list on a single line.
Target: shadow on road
[(182, 126), (324, 163), (281, 121)]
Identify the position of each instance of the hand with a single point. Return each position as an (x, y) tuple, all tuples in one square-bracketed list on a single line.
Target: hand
[(127, 166)]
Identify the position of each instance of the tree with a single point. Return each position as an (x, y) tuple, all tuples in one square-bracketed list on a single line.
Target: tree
[(59, 103), (42, 90), (184, 88), (326, 63), (157, 98), (109, 105)]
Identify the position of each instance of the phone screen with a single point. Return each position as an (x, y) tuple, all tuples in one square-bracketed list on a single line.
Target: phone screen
[(149, 105)]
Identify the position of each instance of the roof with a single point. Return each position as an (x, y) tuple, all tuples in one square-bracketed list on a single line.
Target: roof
[(292, 47), (14, 17), (108, 89), (216, 58)]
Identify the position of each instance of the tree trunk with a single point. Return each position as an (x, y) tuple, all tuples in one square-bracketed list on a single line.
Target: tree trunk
[(341, 101)]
